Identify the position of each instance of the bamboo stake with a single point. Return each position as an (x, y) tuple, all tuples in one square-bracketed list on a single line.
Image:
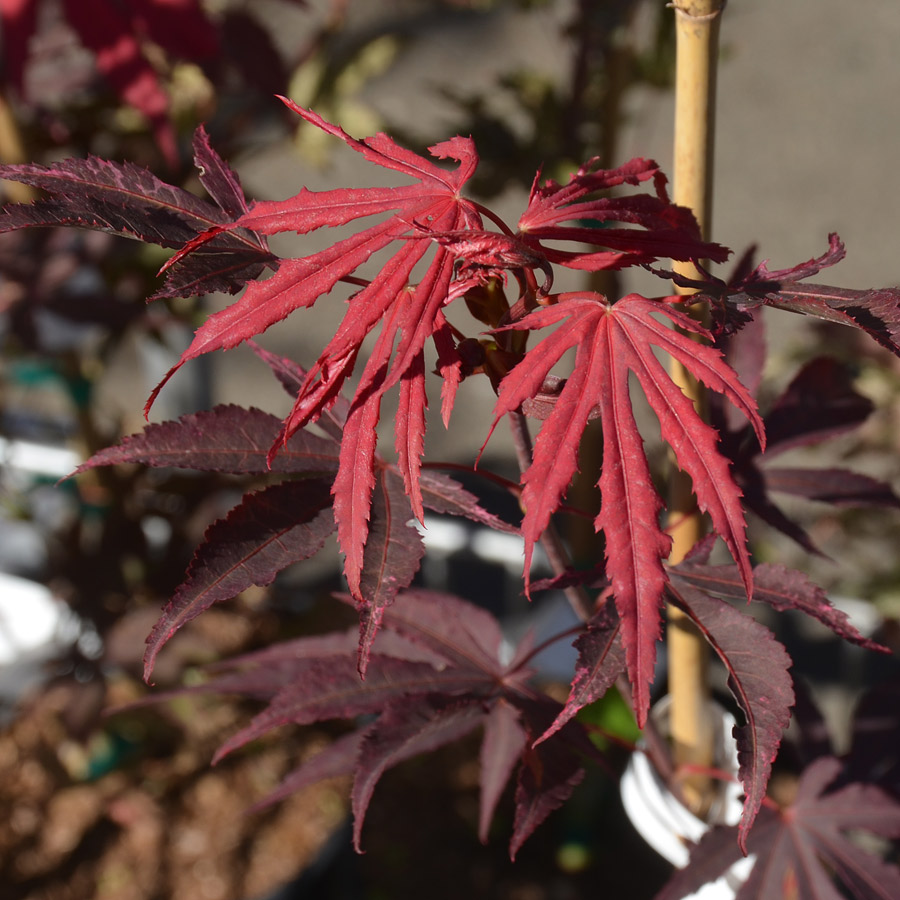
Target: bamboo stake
[(697, 31)]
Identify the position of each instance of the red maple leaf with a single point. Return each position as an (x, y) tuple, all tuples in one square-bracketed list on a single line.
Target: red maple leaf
[(409, 313), (611, 341), (665, 230)]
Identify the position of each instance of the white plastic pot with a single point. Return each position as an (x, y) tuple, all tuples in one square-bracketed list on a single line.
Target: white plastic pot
[(669, 827)]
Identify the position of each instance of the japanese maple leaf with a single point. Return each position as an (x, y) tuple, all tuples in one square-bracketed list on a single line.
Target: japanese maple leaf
[(126, 200), (819, 403), (409, 314), (801, 849), (781, 588), (874, 311), (117, 34), (436, 673), (666, 230), (759, 680), (611, 341), (757, 665), (269, 530), (433, 199)]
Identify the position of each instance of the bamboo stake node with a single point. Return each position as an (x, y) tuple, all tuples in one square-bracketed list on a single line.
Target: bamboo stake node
[(699, 10)]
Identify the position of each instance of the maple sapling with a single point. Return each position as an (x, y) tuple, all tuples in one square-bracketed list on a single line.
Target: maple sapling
[(425, 667)]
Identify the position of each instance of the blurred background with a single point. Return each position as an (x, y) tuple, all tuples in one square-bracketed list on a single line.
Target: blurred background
[(127, 806)]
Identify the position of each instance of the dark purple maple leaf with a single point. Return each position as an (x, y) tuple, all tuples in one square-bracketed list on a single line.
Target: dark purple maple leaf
[(611, 341), (756, 663), (758, 678), (402, 732), (546, 780), (227, 438), (330, 688), (876, 311), (505, 740), (801, 849), (435, 674), (263, 535), (124, 199), (549, 770), (266, 533), (782, 588), (601, 659), (818, 404), (338, 758)]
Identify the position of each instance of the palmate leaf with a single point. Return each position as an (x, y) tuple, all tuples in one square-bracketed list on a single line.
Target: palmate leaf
[(330, 688), (401, 733), (547, 778), (435, 674), (758, 678), (338, 758), (287, 523), (757, 665), (124, 199), (300, 282), (668, 230), (818, 404), (611, 341), (549, 770), (801, 850), (877, 311)]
